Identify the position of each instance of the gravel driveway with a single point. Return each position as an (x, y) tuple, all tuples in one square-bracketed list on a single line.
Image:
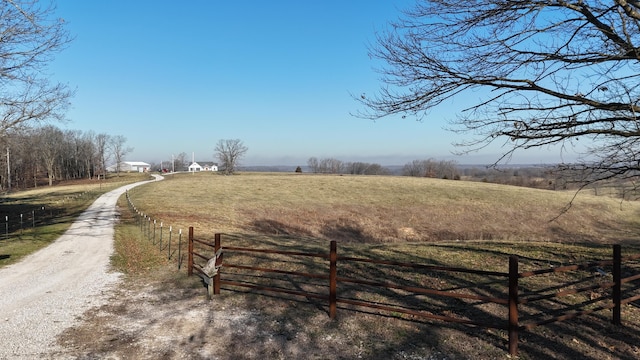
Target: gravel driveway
[(45, 293)]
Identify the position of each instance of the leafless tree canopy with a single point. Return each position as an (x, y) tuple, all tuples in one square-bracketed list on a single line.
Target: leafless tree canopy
[(52, 154), (335, 166), (555, 73), (229, 152), (119, 150), (29, 37), (431, 168)]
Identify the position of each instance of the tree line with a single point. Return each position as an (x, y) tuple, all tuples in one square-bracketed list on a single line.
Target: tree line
[(335, 166), (419, 168), (44, 155), (541, 177)]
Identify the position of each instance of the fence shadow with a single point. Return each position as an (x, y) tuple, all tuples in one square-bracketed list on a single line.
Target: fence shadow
[(453, 296)]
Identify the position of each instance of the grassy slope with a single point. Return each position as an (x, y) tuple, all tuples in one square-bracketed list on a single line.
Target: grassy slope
[(384, 209)]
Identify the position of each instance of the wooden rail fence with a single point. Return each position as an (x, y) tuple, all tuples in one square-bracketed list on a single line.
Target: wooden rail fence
[(501, 289)]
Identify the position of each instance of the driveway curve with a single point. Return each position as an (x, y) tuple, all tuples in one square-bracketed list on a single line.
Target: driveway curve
[(49, 290)]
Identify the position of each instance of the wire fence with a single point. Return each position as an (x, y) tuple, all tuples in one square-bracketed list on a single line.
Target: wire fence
[(166, 237), (15, 222)]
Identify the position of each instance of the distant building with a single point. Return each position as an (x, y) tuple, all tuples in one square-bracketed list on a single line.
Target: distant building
[(130, 166), (203, 166)]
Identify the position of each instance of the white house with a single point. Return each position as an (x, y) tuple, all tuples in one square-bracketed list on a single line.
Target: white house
[(206, 166), (130, 166)]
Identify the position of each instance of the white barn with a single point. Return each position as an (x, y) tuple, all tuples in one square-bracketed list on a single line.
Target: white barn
[(130, 166)]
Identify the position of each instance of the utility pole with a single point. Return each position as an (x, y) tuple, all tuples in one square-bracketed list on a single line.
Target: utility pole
[(8, 171)]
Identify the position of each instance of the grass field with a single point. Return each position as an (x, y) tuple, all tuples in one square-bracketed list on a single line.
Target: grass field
[(54, 209), (384, 209), (450, 223)]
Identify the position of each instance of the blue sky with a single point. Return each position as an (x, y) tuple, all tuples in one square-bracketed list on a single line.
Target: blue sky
[(176, 77)]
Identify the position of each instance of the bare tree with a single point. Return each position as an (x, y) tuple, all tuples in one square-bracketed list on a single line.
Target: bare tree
[(118, 150), (555, 72), (313, 164), (30, 36), (356, 168), (363, 168), (180, 162), (431, 168), (50, 140), (415, 168), (88, 152), (229, 152), (102, 155), (376, 169), (331, 165)]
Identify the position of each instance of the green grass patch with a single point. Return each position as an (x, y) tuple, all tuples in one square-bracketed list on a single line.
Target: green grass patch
[(22, 244), (47, 212)]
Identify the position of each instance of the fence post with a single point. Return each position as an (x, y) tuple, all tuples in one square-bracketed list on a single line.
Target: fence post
[(170, 231), (169, 246), (617, 284), (179, 252), (190, 256), (333, 279), (513, 305), (216, 277)]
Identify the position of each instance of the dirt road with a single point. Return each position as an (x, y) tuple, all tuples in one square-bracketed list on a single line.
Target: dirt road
[(47, 291)]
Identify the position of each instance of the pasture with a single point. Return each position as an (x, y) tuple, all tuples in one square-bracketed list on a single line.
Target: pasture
[(385, 209), (453, 223)]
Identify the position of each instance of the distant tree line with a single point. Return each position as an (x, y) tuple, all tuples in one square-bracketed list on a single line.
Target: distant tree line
[(420, 168), (43, 155), (432, 168), (541, 177), (335, 166), (550, 177)]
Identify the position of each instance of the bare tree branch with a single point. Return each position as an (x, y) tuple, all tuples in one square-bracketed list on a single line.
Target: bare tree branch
[(556, 72), (30, 35)]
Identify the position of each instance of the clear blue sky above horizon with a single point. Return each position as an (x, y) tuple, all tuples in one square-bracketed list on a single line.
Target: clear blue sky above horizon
[(176, 77)]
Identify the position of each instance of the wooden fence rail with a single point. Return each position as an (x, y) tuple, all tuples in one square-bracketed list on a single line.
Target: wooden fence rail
[(512, 294)]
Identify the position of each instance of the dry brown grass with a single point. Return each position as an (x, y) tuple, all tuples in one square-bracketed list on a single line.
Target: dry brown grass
[(384, 209)]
